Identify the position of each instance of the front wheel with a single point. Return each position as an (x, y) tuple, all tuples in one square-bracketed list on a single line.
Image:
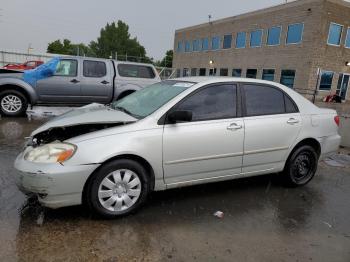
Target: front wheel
[(118, 188), (301, 166), (13, 103)]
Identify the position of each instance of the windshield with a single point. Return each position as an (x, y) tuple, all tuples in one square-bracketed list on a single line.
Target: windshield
[(144, 102)]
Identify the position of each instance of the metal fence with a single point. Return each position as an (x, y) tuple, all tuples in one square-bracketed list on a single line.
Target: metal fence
[(8, 57)]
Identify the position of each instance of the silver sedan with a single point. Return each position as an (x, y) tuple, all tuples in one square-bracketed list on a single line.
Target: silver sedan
[(171, 134)]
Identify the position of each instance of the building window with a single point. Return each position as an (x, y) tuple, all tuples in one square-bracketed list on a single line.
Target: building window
[(215, 43), (178, 72), (236, 72), (187, 46), (326, 80), (179, 46), (347, 39), (227, 41), (185, 72), (193, 71), (223, 72), (287, 78), (240, 40), (274, 35), (255, 38), (212, 72), (202, 71), (334, 34), (268, 74), (251, 73), (195, 45), (295, 33), (205, 44)]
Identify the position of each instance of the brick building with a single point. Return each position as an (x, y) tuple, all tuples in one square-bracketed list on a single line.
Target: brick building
[(303, 44)]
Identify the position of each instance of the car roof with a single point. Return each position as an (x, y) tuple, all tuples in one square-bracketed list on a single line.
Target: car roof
[(215, 79), (103, 59)]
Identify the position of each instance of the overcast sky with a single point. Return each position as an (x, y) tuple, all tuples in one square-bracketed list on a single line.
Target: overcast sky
[(37, 22)]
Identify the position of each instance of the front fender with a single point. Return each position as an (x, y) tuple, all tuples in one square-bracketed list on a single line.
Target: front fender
[(22, 85)]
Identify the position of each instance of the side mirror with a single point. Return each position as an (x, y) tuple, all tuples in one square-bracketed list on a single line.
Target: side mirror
[(179, 116)]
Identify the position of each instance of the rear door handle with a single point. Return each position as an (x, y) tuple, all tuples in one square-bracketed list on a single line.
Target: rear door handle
[(292, 121), (234, 126), (104, 82), (74, 81)]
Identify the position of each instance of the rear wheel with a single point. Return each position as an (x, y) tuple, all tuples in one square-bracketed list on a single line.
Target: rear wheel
[(118, 188), (13, 103), (301, 166)]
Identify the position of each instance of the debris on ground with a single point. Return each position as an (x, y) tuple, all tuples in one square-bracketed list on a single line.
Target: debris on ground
[(338, 160), (40, 219), (326, 223), (219, 214)]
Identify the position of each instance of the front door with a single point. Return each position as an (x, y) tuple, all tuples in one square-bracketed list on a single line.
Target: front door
[(63, 86), (211, 145), (342, 87)]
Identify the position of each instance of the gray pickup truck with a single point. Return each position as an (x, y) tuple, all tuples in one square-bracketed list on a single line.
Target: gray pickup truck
[(72, 81)]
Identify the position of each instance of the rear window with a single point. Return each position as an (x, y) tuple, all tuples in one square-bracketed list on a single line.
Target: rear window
[(137, 71), (94, 69)]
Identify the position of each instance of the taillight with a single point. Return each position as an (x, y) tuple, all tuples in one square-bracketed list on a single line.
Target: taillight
[(337, 120)]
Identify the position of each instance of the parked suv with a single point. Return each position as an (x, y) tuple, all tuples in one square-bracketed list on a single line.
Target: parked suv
[(72, 81)]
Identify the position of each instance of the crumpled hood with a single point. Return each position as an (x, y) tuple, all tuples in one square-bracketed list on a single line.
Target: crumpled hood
[(90, 114)]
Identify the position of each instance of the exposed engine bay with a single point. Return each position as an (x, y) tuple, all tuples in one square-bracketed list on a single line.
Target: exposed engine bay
[(66, 132)]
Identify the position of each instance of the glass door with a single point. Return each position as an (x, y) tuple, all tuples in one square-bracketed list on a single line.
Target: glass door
[(342, 87)]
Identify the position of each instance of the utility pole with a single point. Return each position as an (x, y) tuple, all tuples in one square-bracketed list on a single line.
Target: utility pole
[(209, 18)]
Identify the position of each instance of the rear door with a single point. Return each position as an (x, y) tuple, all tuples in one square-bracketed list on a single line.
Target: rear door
[(97, 81), (211, 145), (63, 86), (272, 123)]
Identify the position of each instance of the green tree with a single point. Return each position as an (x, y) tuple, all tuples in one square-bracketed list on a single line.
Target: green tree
[(67, 48), (115, 39), (167, 61)]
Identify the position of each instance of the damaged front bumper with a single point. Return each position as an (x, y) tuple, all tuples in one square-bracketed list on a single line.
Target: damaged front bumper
[(55, 185)]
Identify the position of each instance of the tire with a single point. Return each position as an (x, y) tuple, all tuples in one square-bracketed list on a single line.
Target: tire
[(301, 166), (13, 103), (116, 198)]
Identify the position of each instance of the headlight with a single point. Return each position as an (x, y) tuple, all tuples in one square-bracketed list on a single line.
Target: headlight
[(51, 153)]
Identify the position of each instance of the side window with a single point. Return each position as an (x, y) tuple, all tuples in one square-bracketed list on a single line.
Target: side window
[(138, 71), (31, 63), (290, 106), (214, 102), (263, 100), (66, 67), (94, 69)]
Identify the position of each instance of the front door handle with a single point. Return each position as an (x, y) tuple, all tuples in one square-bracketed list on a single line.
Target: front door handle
[(292, 121), (234, 126), (104, 82), (74, 81)]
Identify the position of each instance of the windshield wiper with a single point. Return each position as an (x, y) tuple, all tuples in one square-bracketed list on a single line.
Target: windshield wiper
[(125, 111)]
